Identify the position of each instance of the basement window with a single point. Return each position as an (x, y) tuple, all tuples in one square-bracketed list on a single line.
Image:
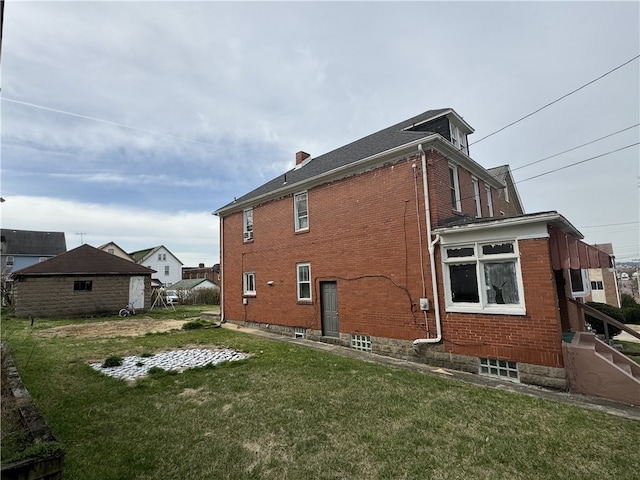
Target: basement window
[(83, 285), (298, 332), (499, 368), (361, 342)]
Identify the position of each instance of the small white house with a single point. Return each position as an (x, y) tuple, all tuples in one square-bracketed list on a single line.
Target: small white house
[(167, 266)]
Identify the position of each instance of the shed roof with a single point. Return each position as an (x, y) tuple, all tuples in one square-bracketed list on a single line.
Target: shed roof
[(84, 260), (31, 242)]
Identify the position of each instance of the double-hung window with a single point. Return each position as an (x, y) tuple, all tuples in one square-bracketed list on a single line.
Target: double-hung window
[(247, 225), (476, 197), (301, 208), (487, 190), (458, 138), (249, 283), (483, 278), (455, 188), (166, 270), (304, 281)]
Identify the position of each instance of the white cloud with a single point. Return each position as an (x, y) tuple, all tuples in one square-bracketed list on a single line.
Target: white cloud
[(192, 236)]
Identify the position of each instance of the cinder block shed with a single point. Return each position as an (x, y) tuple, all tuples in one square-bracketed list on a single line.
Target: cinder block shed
[(84, 281)]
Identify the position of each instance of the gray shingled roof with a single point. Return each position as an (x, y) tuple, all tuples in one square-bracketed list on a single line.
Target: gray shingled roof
[(189, 283), (380, 141), (33, 243), (85, 260)]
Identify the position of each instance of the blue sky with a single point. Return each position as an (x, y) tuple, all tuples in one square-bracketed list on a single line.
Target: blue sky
[(133, 121)]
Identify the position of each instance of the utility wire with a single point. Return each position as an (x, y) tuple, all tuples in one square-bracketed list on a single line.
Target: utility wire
[(108, 122), (609, 225), (556, 101), (578, 163), (575, 148)]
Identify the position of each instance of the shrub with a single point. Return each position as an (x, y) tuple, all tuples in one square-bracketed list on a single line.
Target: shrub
[(113, 361), (195, 324), (597, 325), (627, 301)]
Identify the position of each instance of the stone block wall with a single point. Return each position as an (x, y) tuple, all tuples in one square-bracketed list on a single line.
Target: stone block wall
[(54, 296)]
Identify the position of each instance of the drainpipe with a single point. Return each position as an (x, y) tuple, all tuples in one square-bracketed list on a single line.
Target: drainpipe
[(432, 265), (221, 270)]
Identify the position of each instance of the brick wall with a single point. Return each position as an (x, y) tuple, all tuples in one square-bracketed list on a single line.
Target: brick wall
[(55, 296), (364, 236)]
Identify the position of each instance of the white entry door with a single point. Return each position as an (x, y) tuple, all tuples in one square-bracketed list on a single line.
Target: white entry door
[(136, 291)]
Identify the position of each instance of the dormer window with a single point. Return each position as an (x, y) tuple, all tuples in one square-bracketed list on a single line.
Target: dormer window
[(458, 138)]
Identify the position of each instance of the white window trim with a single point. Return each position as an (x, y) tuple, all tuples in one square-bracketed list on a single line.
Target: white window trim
[(476, 196), (298, 283), (246, 284), (297, 217), (458, 139), (456, 187), (487, 190), (586, 284), (482, 306), (247, 233)]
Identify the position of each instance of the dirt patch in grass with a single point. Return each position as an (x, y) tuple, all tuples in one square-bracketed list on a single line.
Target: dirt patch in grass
[(114, 328)]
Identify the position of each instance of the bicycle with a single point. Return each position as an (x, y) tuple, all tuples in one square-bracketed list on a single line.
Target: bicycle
[(128, 310)]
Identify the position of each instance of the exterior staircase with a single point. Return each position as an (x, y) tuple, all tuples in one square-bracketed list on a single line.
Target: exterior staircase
[(595, 368)]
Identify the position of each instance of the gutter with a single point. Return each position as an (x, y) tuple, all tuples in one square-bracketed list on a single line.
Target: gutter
[(432, 243)]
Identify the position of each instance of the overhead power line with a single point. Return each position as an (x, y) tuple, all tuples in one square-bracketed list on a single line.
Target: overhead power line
[(557, 100), (575, 148), (609, 225), (578, 163)]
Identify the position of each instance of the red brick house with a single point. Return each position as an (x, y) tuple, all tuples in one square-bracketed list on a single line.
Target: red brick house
[(393, 244)]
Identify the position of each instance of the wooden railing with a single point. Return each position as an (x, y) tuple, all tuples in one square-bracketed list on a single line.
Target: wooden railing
[(606, 320)]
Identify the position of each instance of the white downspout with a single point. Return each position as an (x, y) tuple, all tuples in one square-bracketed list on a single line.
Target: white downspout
[(432, 244), (221, 271)]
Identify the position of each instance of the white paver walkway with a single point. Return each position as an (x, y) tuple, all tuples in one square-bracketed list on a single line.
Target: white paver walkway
[(134, 367)]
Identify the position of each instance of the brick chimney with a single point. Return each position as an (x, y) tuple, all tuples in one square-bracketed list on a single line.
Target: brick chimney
[(201, 265), (301, 157)]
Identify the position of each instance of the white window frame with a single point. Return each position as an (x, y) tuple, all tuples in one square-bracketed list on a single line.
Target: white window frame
[(249, 283), (10, 260), (487, 190), (458, 139), (298, 217), (476, 196), (299, 268), (166, 270), (479, 259), (586, 284), (247, 225), (454, 187)]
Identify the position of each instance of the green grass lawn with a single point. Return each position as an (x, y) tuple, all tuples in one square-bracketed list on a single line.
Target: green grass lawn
[(293, 413), (631, 349)]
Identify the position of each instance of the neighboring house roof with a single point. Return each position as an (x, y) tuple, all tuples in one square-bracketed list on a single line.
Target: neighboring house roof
[(503, 173), (605, 247), (376, 143), (191, 283), (85, 260), (32, 243), (116, 247), (141, 255)]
